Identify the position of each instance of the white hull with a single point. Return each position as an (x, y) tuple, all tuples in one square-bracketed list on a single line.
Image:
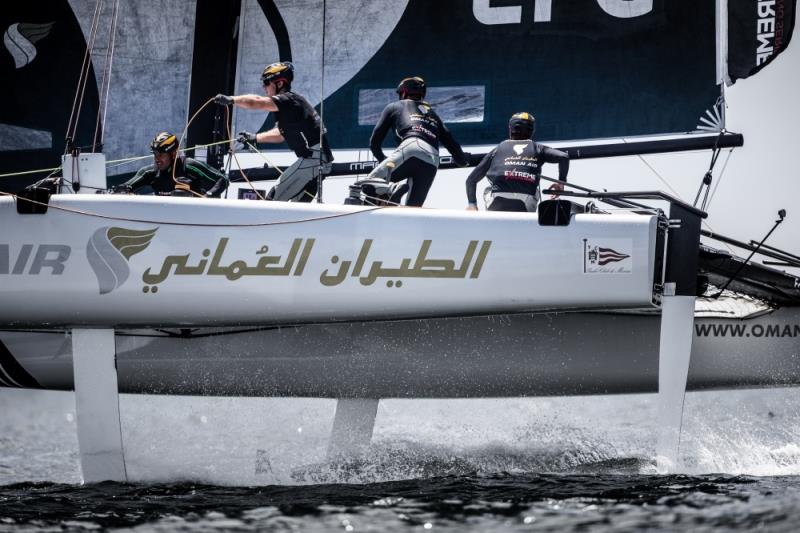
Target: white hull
[(122, 261)]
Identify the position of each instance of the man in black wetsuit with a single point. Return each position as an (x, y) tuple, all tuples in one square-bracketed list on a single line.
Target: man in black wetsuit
[(419, 130), (191, 177), (297, 123), (514, 167)]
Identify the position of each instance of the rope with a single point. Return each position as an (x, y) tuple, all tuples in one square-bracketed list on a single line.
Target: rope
[(163, 223), (106, 83), (321, 107), (269, 163), (84, 72), (236, 158), (112, 163), (180, 142), (721, 174), (654, 171)]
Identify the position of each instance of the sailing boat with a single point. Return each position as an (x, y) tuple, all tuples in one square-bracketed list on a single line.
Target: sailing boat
[(131, 278)]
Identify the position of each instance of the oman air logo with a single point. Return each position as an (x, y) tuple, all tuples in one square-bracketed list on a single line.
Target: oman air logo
[(611, 256), (109, 251), (519, 148), (21, 38)]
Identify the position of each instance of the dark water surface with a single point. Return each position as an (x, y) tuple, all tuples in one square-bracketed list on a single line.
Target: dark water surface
[(500, 502), (537, 464)]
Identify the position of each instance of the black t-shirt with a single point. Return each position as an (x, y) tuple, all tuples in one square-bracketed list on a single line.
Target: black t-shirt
[(515, 166), (299, 124), (413, 118), (200, 177)]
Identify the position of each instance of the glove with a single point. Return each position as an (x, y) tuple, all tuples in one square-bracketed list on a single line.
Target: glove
[(121, 189), (465, 162), (245, 137), (222, 99)]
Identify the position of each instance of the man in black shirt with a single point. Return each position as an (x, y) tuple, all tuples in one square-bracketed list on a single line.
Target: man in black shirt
[(514, 168), (419, 130), (173, 174), (297, 123)]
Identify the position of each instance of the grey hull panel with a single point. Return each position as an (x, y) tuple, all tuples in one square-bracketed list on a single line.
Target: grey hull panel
[(493, 356)]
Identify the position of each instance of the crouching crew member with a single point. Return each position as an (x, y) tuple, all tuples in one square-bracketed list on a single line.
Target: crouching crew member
[(297, 123), (190, 177), (419, 131), (514, 168)]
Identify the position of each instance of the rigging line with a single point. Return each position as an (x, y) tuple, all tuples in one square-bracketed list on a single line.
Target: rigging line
[(719, 178), (27, 172), (180, 141), (659, 176), (261, 154), (85, 75), (92, 31), (191, 224), (105, 85), (236, 158), (111, 163), (321, 107)]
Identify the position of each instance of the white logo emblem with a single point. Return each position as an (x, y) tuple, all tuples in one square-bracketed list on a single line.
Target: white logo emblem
[(519, 148), (20, 38)]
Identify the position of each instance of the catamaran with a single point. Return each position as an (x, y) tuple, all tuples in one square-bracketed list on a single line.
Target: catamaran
[(597, 293)]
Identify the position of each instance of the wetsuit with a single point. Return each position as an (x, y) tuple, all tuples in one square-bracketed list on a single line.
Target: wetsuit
[(300, 125), (514, 168), (201, 178), (416, 159)]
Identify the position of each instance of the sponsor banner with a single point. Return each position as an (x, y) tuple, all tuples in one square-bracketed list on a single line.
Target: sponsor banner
[(585, 68), (607, 256), (758, 30), (741, 330)]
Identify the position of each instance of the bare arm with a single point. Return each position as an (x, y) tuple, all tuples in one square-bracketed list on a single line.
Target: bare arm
[(270, 136), (253, 101)]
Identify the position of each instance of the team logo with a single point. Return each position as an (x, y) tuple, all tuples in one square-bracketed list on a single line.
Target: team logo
[(611, 256), (21, 38), (109, 251), (519, 148)]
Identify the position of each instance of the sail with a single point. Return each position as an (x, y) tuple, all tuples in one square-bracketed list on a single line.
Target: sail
[(757, 32), (585, 68), (40, 63)]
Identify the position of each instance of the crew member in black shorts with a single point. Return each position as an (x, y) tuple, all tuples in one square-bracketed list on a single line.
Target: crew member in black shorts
[(190, 177), (297, 123), (514, 167), (419, 130)]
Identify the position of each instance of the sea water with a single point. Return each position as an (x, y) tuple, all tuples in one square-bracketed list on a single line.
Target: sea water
[(566, 464)]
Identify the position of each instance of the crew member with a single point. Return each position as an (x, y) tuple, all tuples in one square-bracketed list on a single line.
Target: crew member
[(297, 123), (419, 131), (514, 168), (189, 177)]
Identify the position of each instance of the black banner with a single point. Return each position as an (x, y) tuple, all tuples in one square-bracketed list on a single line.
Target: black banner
[(758, 30)]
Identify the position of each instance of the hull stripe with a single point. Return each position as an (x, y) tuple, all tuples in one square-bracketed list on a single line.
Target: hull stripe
[(12, 373)]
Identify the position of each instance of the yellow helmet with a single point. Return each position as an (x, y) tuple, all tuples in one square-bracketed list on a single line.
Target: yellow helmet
[(283, 70), (164, 142), (521, 125)]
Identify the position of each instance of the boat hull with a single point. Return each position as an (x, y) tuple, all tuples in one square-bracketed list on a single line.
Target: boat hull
[(547, 354), (122, 261)]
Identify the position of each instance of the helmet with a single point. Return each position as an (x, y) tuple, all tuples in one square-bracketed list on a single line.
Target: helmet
[(164, 143), (283, 70), (521, 125), (413, 87)]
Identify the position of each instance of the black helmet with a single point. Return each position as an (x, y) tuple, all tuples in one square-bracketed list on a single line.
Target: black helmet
[(413, 87), (164, 143), (521, 125), (283, 70)]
